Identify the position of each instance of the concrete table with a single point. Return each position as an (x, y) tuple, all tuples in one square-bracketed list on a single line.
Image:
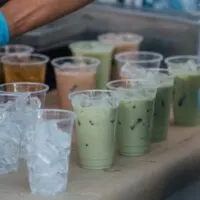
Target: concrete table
[(142, 178)]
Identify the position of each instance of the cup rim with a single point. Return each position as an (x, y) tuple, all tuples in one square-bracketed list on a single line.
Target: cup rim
[(93, 65), (159, 70), (46, 87), (138, 40), (148, 86), (109, 48), (72, 115), (30, 49), (158, 55), (169, 60), (45, 59), (71, 94)]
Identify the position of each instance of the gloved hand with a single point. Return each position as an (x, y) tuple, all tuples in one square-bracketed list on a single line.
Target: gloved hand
[(4, 31)]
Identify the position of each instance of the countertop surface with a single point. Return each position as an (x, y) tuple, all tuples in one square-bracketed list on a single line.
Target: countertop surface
[(142, 178)]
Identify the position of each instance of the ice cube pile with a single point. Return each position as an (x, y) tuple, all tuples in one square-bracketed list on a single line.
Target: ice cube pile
[(41, 138), (48, 157), (9, 143)]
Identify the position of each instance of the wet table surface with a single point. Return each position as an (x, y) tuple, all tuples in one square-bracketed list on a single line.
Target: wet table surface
[(142, 178)]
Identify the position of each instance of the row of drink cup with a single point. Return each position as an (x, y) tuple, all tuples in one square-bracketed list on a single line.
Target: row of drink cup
[(132, 111)]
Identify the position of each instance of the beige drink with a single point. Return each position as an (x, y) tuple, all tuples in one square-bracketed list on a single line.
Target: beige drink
[(74, 73), (122, 42)]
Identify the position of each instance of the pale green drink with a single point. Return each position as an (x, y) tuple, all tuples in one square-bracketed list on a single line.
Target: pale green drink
[(135, 116), (96, 112), (98, 50)]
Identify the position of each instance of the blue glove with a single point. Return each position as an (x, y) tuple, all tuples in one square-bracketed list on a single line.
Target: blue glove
[(4, 31)]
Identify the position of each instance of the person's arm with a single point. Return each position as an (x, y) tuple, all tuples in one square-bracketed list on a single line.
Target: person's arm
[(25, 15)]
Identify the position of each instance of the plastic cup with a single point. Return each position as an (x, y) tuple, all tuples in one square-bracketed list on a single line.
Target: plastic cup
[(23, 68), (143, 59), (122, 42), (48, 151), (13, 49), (103, 52), (74, 73), (135, 115), (164, 82), (9, 137), (186, 70), (15, 109), (36, 90), (96, 112)]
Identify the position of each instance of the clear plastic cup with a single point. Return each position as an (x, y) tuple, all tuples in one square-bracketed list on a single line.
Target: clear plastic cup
[(143, 59), (23, 68), (74, 73), (9, 137), (96, 112), (135, 115), (164, 82), (48, 150), (98, 50), (13, 49), (186, 70), (16, 49), (36, 90), (15, 109), (122, 42)]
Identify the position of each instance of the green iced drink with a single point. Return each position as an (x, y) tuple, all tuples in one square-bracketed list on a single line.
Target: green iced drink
[(164, 83), (186, 87), (161, 113), (98, 50), (135, 116), (95, 127), (185, 99)]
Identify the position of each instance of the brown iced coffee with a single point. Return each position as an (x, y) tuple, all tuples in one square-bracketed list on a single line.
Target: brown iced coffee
[(23, 68), (123, 42), (13, 49), (74, 73)]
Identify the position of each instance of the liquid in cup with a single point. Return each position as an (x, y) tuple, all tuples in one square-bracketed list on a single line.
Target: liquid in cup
[(74, 73), (164, 82), (23, 68), (13, 49), (95, 49), (48, 151), (142, 59), (96, 112), (122, 42), (135, 115), (186, 70), (35, 90), (15, 109)]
